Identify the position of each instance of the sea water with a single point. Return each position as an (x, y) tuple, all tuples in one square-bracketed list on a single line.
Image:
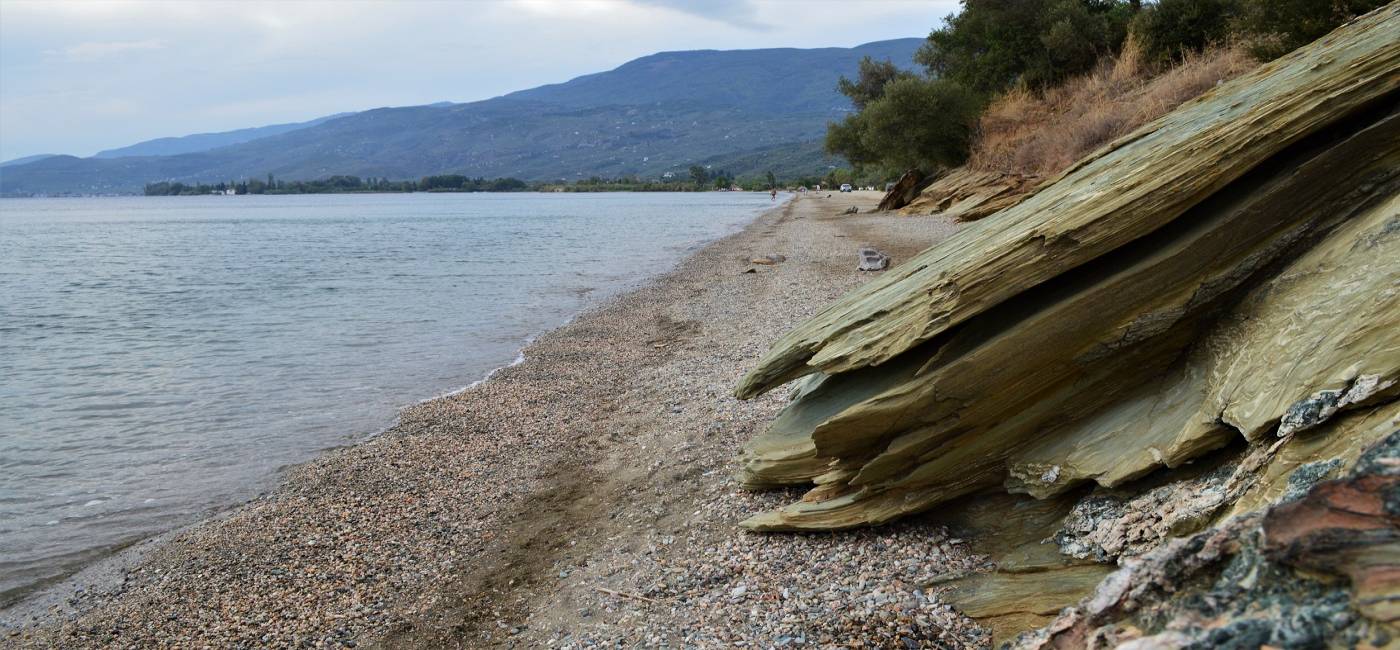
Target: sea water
[(162, 358)]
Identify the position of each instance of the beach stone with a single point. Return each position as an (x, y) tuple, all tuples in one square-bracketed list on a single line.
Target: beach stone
[(768, 260), (872, 260)]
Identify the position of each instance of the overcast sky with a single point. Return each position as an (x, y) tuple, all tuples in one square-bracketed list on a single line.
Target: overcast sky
[(78, 77)]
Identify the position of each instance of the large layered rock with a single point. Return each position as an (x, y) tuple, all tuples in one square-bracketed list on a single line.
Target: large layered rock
[(968, 195), (1225, 278), (904, 190)]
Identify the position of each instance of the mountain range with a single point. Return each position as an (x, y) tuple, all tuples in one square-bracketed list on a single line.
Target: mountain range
[(205, 141), (746, 111)]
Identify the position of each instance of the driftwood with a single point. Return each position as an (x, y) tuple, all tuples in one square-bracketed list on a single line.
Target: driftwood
[(623, 594)]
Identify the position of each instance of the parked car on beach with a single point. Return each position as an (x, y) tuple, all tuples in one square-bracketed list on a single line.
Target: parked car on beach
[(845, 187)]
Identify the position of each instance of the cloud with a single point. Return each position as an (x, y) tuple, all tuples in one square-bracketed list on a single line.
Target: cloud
[(96, 51), (739, 13), (77, 77)]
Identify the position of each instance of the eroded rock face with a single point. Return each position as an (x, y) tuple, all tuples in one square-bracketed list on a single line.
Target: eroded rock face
[(1243, 303), (905, 189), (1239, 583), (968, 195), (1225, 282), (1123, 192)]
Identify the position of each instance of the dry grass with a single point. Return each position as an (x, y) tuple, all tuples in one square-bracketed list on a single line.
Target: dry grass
[(1040, 134)]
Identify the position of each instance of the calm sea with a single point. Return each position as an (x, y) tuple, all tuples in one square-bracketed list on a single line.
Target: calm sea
[(161, 358)]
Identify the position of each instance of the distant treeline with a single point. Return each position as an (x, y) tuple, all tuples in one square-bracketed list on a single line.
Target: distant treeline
[(701, 178), (340, 185), (698, 179)]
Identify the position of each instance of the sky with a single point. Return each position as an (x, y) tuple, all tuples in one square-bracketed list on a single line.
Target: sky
[(78, 77)]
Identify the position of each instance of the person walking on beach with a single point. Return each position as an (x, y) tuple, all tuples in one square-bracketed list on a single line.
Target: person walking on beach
[(773, 194)]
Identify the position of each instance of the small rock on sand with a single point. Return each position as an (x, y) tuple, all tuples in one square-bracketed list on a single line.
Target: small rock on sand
[(872, 260)]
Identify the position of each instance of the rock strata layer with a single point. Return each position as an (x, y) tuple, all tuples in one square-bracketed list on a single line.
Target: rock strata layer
[(1222, 283), (968, 195)]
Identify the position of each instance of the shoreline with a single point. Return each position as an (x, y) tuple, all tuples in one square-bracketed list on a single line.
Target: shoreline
[(44, 593), (459, 502), (103, 570)]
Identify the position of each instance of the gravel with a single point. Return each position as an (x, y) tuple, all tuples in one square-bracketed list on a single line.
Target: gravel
[(581, 498)]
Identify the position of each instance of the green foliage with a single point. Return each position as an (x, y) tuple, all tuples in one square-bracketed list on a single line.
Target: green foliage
[(1169, 29), (993, 44), (1273, 28), (620, 184), (458, 183), (719, 180), (341, 184), (847, 139), (870, 81), (700, 175), (919, 123), (905, 121), (922, 123)]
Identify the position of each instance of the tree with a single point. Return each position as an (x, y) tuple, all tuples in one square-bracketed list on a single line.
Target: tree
[(993, 44), (870, 81), (847, 139), (700, 175), (921, 123), (918, 123), (772, 180)]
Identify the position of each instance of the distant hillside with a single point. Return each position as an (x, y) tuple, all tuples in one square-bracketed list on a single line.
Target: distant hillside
[(206, 141), (781, 80), (24, 160), (655, 114)]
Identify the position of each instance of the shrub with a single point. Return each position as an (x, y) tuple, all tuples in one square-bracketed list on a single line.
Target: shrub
[(1170, 29), (920, 123), (993, 44), (1273, 28)]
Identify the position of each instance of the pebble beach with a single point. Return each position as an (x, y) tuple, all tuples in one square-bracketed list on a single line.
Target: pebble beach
[(581, 498)]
